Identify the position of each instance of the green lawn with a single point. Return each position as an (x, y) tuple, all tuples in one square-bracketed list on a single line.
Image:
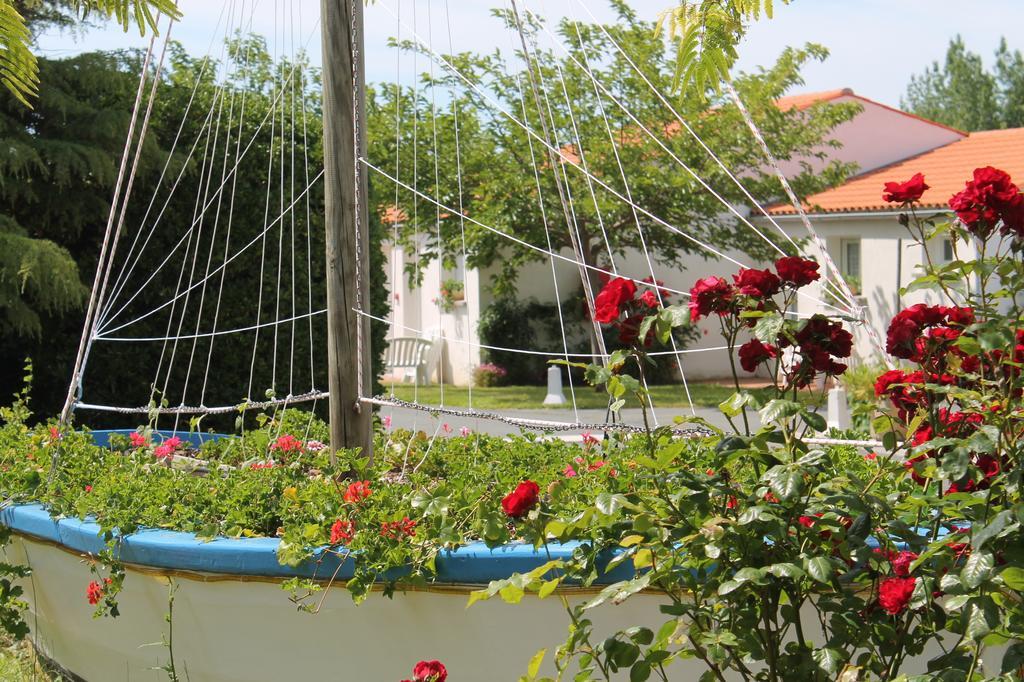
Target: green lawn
[(530, 397)]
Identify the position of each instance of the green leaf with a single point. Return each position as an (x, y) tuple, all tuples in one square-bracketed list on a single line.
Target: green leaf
[(1013, 577), (991, 529), (820, 568), (535, 662), (1013, 659), (829, 660), (511, 594), (779, 408), (785, 570), (733, 406), (786, 480), (980, 617), (768, 328), (548, 587), (814, 420), (607, 503), (977, 569), (640, 671)]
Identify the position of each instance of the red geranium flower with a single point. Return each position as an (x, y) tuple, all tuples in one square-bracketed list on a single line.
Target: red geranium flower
[(710, 295), (288, 443), (521, 500), (342, 531), (94, 593), (894, 594), (905, 192), (753, 353), (395, 530), (358, 491), (797, 271)]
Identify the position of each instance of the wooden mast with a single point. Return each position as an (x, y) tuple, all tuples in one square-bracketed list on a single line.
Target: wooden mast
[(344, 111)]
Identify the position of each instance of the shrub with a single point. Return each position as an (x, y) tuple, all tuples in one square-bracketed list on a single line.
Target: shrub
[(488, 374)]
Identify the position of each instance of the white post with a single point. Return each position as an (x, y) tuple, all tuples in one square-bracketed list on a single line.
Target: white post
[(555, 396), (838, 409)]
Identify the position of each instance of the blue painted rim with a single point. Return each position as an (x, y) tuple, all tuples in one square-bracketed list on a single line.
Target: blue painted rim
[(474, 563)]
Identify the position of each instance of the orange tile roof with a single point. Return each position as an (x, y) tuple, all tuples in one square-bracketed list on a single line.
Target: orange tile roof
[(945, 169)]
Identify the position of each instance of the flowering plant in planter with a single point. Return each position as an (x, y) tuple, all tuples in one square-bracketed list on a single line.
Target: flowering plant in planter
[(452, 291), (782, 562)]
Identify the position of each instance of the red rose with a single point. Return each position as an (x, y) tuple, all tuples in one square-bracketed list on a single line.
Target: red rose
[(905, 192), (753, 353), (358, 492), (797, 271), (429, 671), (894, 594), (988, 197), (757, 283), (901, 563), (649, 299), (342, 531), (710, 295), (613, 296), (521, 500)]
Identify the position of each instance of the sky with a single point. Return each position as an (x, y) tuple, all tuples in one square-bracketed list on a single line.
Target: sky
[(876, 45)]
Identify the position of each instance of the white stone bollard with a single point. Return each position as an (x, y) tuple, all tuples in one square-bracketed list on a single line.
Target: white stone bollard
[(838, 409), (555, 396)]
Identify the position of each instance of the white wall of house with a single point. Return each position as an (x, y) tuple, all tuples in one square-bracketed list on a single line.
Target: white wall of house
[(878, 136), (888, 260), (415, 312)]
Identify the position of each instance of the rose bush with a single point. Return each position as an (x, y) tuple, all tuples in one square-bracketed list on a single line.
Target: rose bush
[(783, 562)]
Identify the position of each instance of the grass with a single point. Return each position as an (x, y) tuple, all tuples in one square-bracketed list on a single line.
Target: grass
[(19, 664), (532, 397)]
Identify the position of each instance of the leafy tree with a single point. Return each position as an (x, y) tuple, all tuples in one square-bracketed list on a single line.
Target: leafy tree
[(962, 93), (19, 19), (498, 171), (705, 34)]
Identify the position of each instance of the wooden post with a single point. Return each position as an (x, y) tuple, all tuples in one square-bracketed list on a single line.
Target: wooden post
[(346, 222)]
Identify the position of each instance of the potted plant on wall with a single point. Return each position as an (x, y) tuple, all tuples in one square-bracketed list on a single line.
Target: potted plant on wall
[(452, 291)]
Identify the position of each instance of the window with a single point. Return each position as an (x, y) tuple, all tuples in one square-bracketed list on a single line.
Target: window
[(850, 258), (947, 250)]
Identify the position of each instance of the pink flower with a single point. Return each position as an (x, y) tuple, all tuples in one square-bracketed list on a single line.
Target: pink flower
[(569, 472), (589, 439), (138, 439), (315, 446), (465, 431), (596, 465), (447, 427), (88, 488), (386, 421)]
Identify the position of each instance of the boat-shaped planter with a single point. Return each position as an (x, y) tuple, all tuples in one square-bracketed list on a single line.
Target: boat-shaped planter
[(232, 621)]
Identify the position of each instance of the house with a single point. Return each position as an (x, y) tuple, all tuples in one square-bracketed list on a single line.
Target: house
[(860, 231), (863, 236)]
